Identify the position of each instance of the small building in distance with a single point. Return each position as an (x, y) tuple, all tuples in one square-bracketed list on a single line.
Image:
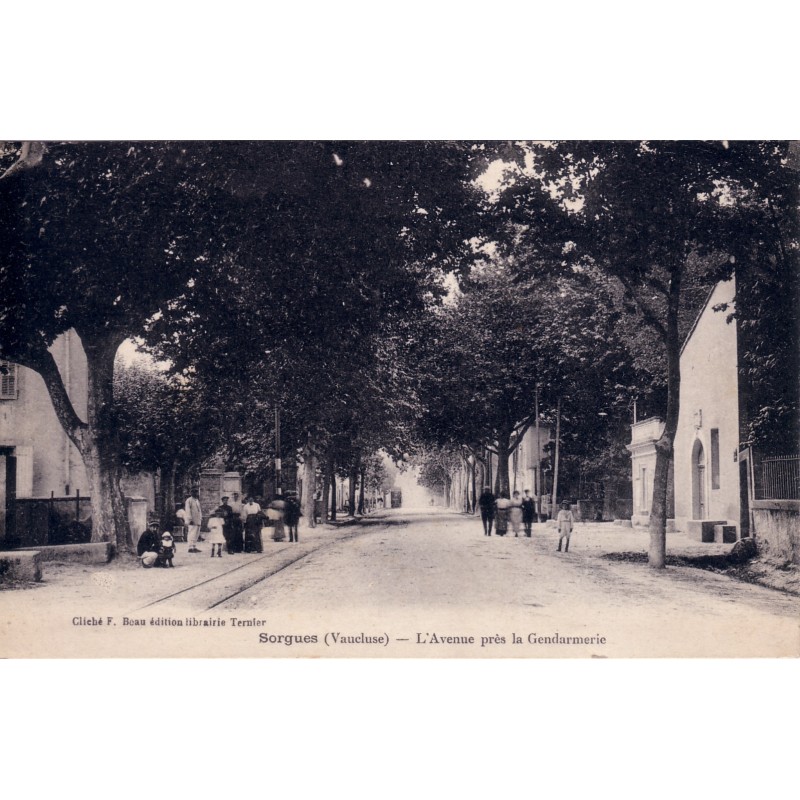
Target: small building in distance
[(644, 435)]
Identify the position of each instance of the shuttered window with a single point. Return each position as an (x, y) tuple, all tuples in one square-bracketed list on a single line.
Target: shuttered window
[(8, 381)]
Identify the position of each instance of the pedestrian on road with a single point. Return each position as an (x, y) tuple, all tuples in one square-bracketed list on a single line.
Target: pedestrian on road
[(167, 550), (234, 543), (565, 521), (276, 512), (503, 507), (253, 519), (194, 519), (486, 502), (148, 546), (216, 526), (528, 512), (515, 513), (291, 515)]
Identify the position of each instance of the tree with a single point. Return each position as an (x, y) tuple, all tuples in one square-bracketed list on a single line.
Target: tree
[(98, 237), (165, 425), (652, 214), (507, 336)]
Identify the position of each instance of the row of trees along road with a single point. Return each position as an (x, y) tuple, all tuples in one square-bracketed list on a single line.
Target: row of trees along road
[(647, 215), (270, 272), (307, 275)]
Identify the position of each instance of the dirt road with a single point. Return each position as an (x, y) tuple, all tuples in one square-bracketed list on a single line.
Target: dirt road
[(422, 585)]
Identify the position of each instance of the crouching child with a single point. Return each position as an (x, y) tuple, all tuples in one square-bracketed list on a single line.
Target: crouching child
[(167, 550)]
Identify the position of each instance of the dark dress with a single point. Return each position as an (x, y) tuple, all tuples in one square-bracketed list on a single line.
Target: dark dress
[(232, 530), (291, 515), (252, 533), (486, 503)]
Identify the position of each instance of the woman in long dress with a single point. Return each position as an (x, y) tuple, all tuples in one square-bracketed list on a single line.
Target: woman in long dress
[(503, 506), (253, 520), (515, 513)]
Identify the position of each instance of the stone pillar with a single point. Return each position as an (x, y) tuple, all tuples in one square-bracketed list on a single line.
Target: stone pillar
[(137, 516)]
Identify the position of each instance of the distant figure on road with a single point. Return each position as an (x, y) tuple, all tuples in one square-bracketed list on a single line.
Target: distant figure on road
[(528, 512), (503, 506), (194, 518), (291, 515), (515, 513), (486, 503), (565, 522)]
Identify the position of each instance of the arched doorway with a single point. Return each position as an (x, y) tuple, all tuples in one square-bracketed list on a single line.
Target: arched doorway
[(699, 510)]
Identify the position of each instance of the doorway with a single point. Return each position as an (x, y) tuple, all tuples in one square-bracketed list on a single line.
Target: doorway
[(699, 510), (8, 495)]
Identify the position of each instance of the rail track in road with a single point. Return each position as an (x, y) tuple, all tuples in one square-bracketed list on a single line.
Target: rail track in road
[(212, 592)]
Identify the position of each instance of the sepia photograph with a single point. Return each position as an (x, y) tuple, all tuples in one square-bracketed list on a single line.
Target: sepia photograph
[(399, 399)]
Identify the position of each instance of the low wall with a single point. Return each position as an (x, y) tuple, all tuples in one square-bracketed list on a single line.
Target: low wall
[(90, 553), (20, 565), (776, 527)]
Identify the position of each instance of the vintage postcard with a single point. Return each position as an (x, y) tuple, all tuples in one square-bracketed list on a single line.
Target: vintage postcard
[(388, 399)]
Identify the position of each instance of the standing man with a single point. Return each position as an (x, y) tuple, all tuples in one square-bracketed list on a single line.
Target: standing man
[(194, 519), (291, 515), (486, 503), (528, 511)]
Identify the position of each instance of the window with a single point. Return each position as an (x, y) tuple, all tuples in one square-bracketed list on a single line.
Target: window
[(8, 381), (644, 491), (715, 458)]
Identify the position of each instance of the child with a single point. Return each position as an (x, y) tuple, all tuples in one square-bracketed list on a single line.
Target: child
[(216, 525), (167, 550), (565, 523)]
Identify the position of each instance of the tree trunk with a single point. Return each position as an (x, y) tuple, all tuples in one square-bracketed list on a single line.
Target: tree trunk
[(474, 488), (332, 487), (503, 450), (362, 477), (657, 555), (167, 496), (309, 481), (554, 504), (100, 448), (352, 480)]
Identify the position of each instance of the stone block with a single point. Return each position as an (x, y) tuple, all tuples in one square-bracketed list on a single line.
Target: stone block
[(20, 565), (743, 551), (624, 523), (89, 553), (702, 530), (725, 534)]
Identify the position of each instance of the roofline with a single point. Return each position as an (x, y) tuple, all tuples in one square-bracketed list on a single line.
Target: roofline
[(702, 311)]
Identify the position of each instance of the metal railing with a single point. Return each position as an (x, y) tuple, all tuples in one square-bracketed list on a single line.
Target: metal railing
[(40, 521), (779, 478)]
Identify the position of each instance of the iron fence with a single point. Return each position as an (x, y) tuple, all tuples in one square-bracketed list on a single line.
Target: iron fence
[(40, 521), (778, 478)]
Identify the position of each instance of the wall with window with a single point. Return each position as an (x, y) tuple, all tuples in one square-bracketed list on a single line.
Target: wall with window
[(707, 440), (47, 461)]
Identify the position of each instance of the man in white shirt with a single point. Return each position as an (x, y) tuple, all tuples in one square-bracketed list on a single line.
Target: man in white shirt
[(194, 518)]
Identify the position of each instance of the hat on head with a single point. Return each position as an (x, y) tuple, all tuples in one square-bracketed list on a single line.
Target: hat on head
[(225, 497)]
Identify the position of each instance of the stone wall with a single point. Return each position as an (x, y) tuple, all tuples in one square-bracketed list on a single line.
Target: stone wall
[(777, 528)]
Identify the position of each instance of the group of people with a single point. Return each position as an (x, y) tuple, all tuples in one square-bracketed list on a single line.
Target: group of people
[(518, 513), (239, 532)]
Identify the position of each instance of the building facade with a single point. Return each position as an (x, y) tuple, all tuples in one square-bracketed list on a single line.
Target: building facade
[(37, 457), (706, 451)]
